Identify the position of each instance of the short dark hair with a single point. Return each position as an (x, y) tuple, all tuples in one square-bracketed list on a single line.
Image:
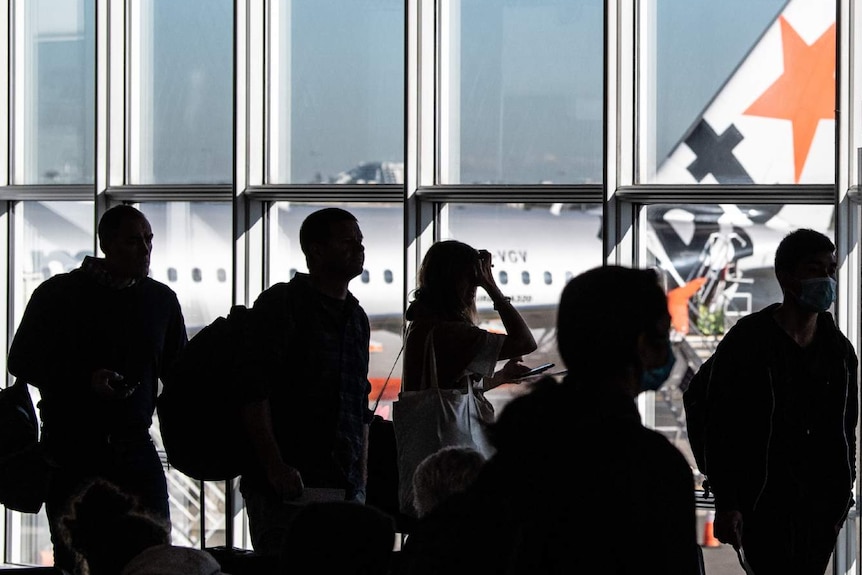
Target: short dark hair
[(602, 312), (108, 527), (317, 227), (798, 246), (113, 219)]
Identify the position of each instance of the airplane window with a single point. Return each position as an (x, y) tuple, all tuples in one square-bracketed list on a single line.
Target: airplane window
[(365, 276), (504, 278), (292, 273), (548, 278), (172, 274), (196, 275), (525, 278), (221, 274), (387, 276)]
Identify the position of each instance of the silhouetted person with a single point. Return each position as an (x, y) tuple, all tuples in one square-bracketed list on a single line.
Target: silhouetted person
[(442, 474), (577, 483), (95, 341), (308, 371), (112, 535), (781, 419), (444, 309), (341, 537)]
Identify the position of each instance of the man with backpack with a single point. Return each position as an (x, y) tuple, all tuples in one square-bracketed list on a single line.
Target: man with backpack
[(306, 364), (780, 447), (96, 341)]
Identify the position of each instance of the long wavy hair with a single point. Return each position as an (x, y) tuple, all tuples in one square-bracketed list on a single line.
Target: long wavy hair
[(447, 283)]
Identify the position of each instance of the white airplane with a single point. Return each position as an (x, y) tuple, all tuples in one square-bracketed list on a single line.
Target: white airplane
[(535, 251)]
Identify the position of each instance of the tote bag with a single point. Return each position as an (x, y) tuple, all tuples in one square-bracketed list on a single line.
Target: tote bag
[(431, 418)]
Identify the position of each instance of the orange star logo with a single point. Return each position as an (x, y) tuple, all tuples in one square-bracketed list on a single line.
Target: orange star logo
[(805, 93)]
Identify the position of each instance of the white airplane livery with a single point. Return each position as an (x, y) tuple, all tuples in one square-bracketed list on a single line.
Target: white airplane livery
[(773, 122)]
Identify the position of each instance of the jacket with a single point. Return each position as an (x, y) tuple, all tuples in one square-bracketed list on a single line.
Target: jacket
[(746, 451)]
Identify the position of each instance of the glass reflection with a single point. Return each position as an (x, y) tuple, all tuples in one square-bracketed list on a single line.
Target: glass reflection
[(336, 83), (55, 70), (522, 92), (53, 238), (182, 95), (50, 238), (192, 254)]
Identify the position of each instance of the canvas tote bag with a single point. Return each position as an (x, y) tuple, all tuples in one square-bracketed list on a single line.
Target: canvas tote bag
[(431, 418)]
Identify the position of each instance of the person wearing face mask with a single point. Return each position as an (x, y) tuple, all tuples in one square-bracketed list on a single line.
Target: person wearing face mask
[(782, 413), (577, 483)]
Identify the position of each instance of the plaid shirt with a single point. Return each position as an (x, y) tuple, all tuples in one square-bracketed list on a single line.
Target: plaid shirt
[(309, 356)]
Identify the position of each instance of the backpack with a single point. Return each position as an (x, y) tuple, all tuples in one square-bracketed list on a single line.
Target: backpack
[(694, 400), (199, 407), (24, 470)]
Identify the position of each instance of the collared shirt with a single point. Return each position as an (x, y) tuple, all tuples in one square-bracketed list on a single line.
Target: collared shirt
[(95, 268), (309, 356)]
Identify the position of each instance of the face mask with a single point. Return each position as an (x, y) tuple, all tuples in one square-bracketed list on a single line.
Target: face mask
[(817, 294), (652, 379)]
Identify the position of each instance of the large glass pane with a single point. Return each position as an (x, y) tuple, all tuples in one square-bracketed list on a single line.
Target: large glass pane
[(192, 254), (54, 99), (182, 91), (535, 251), (521, 92), (336, 106), (748, 99), (378, 289), (50, 238)]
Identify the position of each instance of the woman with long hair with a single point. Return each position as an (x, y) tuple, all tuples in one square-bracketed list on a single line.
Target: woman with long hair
[(443, 338)]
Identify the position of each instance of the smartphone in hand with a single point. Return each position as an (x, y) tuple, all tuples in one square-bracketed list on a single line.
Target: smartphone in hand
[(535, 371)]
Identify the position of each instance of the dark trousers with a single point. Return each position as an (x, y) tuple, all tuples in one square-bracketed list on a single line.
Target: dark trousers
[(133, 465), (789, 539)]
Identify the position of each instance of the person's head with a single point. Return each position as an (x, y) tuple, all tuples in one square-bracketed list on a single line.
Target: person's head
[(447, 280), (805, 268), (338, 537), (126, 238), (613, 322), (107, 528), (442, 474), (332, 243)]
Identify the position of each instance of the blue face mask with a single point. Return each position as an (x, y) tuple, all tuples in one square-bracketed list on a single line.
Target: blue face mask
[(652, 379), (817, 294)]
